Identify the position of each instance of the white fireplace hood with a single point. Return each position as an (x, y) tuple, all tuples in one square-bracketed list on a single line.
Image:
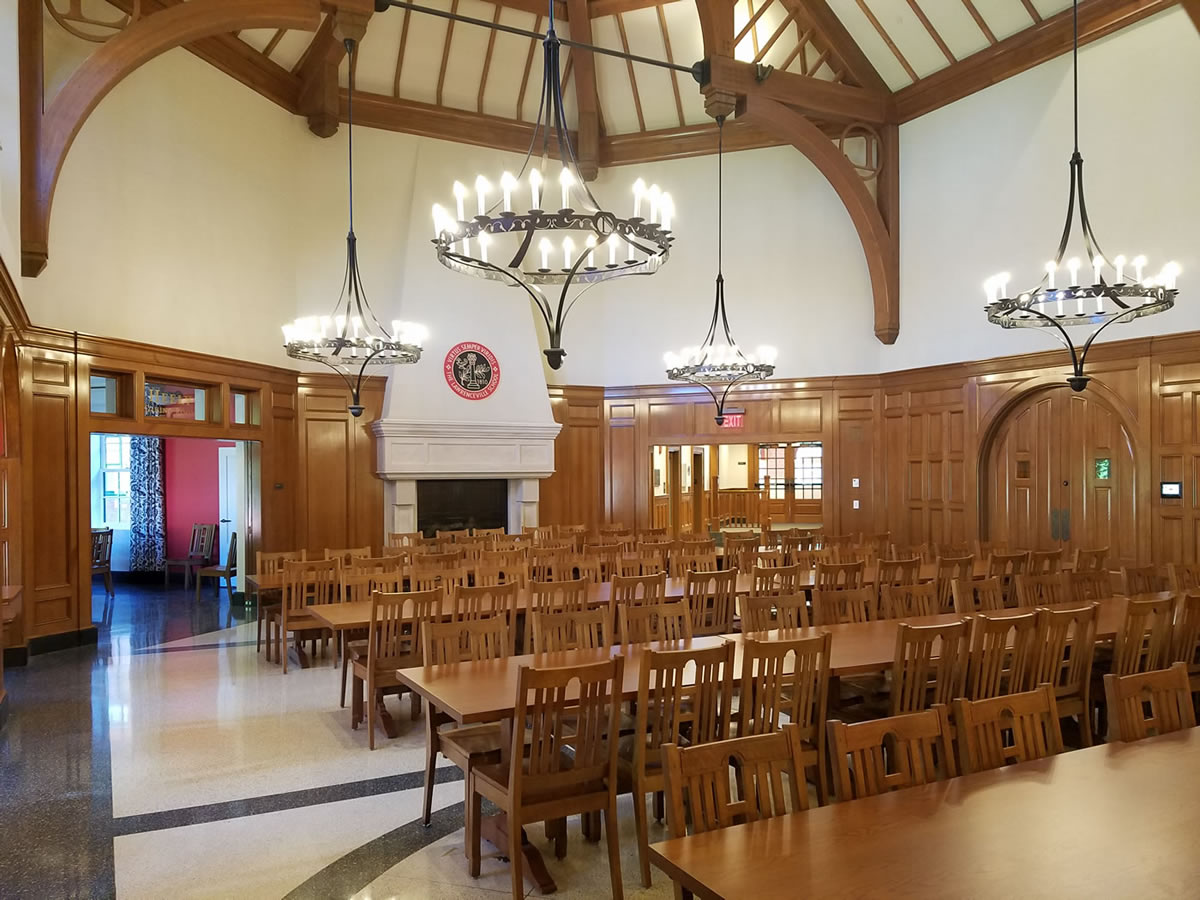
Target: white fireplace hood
[(419, 449)]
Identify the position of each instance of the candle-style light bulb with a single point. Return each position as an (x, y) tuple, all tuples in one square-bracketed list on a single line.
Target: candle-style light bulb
[(545, 246), (612, 242), (326, 323), (639, 191), (484, 240), (535, 185), (568, 248), (1073, 268), (1002, 285), (591, 247), (1139, 264), (655, 195), (1170, 272), (1097, 264), (507, 184), (482, 187), (565, 180), (1119, 262), (668, 211), (460, 195), (1051, 267), (989, 288)]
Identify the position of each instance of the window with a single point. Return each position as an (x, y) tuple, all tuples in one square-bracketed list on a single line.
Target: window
[(175, 401), (103, 394), (1103, 467), (772, 462), (809, 474), (243, 407), (114, 480)]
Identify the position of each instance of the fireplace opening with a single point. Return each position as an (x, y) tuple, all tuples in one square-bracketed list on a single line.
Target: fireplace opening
[(450, 504)]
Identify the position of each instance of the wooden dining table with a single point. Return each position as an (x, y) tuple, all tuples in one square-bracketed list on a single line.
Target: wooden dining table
[(1111, 820), (485, 691)]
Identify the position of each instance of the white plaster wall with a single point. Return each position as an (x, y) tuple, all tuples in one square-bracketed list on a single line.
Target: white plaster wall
[(10, 141), (984, 188)]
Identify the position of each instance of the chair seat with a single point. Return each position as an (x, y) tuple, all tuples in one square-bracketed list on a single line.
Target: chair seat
[(474, 743), (495, 776)]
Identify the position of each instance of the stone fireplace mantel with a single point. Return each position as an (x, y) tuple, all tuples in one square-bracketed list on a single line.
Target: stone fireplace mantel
[(412, 451)]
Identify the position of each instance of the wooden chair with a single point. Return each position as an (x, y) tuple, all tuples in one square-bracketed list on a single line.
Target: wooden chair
[(102, 539), (609, 556), (305, 584), (1150, 703), (662, 550), (200, 554), (767, 613), (767, 775), (635, 566), (844, 576), (1043, 590), (710, 598), (488, 533), (977, 595), (1144, 642), (1006, 567), (946, 570), (465, 640), (1010, 729), (489, 573), (356, 586), (486, 601), (421, 578), (930, 666), (346, 555), (1088, 586), (739, 552), (769, 559), (373, 564), (899, 571), (1090, 560), (1064, 645), (879, 544), (268, 564), (449, 560), (1045, 562), (638, 591), (875, 757), (680, 692), (835, 607), (907, 601), (588, 630), (516, 556), (227, 571), (1187, 636), (452, 534), (1143, 580), (1184, 578), (405, 539), (786, 682), (778, 581), (1002, 655), (654, 622), (547, 565), (539, 533), (682, 563), (540, 783), (393, 642)]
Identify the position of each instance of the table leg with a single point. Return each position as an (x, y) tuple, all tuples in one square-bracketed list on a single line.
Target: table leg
[(494, 830)]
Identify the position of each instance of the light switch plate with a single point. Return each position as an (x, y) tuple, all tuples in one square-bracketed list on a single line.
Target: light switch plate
[(853, 482), (856, 504)]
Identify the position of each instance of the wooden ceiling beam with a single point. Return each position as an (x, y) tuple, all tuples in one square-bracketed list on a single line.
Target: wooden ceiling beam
[(835, 36), (825, 100), (318, 69), (598, 8), (537, 8), (587, 99), (681, 143), (887, 38), (1015, 54), (1192, 7)]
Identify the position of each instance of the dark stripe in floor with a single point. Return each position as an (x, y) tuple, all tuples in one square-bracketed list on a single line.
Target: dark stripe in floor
[(254, 806)]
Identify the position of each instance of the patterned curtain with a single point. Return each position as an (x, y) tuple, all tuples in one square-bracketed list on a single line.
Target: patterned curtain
[(147, 531)]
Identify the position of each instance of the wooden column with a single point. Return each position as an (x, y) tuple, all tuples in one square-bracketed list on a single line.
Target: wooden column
[(674, 491)]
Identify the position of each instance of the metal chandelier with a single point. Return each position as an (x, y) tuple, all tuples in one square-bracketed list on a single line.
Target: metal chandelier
[(564, 242), (719, 364), (1111, 297), (353, 337)]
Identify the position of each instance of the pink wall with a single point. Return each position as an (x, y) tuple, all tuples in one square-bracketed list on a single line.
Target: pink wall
[(191, 483)]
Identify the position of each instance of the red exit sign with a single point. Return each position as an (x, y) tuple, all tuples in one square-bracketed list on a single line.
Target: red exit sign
[(734, 420)]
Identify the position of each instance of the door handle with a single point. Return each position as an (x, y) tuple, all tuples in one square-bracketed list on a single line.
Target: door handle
[(1054, 524), (226, 521)]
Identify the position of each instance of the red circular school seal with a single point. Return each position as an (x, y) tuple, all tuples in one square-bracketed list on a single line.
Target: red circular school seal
[(472, 371)]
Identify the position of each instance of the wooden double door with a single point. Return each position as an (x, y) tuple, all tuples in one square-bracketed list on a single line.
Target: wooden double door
[(1061, 471)]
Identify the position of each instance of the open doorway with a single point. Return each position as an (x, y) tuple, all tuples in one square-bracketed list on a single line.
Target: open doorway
[(167, 512)]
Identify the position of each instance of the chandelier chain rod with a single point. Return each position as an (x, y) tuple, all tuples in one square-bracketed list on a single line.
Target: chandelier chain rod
[(1075, 68), (535, 35)]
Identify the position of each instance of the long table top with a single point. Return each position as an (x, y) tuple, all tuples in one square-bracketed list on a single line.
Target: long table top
[(486, 691), (1110, 821)]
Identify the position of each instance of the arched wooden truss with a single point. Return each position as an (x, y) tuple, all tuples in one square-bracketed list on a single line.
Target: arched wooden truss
[(47, 136)]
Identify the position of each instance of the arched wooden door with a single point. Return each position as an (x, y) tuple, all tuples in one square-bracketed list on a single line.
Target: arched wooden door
[(1060, 472)]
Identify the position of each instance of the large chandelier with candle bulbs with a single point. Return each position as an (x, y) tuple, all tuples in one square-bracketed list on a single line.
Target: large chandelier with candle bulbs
[(719, 364), (352, 338), (1120, 289), (542, 230)]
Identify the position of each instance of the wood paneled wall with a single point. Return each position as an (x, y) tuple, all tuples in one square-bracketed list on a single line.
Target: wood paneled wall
[(574, 493), (312, 462), (915, 440)]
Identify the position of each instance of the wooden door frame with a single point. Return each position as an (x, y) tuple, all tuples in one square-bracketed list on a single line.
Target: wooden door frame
[(997, 417)]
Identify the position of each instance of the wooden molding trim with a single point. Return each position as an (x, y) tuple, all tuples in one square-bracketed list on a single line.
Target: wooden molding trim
[(12, 310), (140, 42), (1044, 41), (881, 246)]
